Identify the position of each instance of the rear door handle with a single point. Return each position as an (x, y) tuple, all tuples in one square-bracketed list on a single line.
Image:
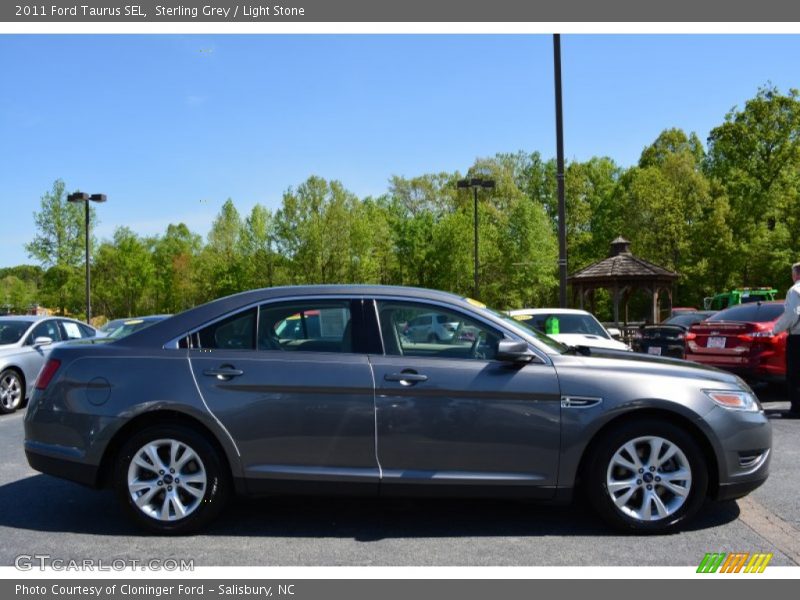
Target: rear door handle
[(406, 378), (224, 372)]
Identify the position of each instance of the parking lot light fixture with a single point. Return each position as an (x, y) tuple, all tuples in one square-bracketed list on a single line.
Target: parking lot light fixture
[(475, 183), (86, 198)]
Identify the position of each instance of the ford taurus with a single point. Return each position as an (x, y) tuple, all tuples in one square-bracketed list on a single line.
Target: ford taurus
[(313, 390)]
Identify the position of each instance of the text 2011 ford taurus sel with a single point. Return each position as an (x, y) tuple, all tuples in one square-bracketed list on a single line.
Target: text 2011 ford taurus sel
[(308, 389)]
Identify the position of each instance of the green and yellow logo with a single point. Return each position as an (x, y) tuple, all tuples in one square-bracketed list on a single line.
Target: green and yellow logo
[(736, 562)]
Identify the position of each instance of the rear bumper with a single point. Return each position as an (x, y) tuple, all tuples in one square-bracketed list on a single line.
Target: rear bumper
[(745, 366), (48, 461)]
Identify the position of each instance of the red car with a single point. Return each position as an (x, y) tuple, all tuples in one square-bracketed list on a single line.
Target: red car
[(739, 339)]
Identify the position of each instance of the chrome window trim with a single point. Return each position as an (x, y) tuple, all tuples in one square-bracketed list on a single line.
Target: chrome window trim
[(378, 322), (173, 343), (538, 352), (472, 315)]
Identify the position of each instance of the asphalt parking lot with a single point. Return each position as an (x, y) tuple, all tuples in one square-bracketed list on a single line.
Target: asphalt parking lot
[(44, 515)]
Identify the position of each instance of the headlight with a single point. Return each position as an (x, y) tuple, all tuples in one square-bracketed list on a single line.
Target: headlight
[(734, 400)]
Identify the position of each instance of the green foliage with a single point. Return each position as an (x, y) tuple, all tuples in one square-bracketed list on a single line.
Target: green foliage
[(723, 218)]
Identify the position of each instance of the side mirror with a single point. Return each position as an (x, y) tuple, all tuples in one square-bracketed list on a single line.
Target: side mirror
[(42, 341), (514, 351), (614, 333)]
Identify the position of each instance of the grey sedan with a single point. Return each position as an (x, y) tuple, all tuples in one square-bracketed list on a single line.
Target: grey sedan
[(178, 416), (25, 342)]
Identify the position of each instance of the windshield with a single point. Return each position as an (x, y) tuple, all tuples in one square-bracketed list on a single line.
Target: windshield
[(687, 319), (12, 331), (558, 323), (129, 327), (530, 331)]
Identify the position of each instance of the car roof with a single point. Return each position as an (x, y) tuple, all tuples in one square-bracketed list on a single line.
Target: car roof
[(168, 329), (29, 318), (549, 311)]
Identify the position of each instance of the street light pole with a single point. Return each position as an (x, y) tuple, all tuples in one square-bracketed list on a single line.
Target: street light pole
[(475, 223), (475, 183), (85, 198), (562, 211)]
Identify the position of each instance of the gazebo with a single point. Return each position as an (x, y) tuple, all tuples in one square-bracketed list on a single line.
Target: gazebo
[(622, 273)]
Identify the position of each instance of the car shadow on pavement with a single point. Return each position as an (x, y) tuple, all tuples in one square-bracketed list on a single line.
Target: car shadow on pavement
[(43, 503)]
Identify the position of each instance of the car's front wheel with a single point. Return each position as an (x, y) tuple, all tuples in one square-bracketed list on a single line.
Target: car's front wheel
[(170, 479), (647, 476), (12, 391)]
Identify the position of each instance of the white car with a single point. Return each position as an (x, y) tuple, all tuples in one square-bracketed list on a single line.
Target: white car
[(25, 343), (569, 326), (431, 327)]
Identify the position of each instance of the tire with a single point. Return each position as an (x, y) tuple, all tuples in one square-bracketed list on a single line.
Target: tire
[(12, 391), (201, 494), (657, 499)]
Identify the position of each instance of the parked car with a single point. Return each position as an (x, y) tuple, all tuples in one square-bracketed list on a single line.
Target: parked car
[(110, 326), (431, 327), (569, 326), (739, 339), (25, 342), (178, 416), (128, 326), (669, 337), (679, 310)]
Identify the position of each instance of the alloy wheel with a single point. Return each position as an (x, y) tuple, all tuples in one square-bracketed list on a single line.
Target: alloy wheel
[(10, 391), (649, 478), (167, 480)]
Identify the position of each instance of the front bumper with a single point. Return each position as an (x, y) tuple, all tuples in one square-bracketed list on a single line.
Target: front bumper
[(738, 489), (743, 452)]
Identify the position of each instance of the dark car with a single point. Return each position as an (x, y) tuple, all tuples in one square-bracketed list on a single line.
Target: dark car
[(125, 327), (740, 339), (669, 337), (233, 396)]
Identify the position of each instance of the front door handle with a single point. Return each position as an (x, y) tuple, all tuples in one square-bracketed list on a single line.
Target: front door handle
[(224, 372), (408, 377)]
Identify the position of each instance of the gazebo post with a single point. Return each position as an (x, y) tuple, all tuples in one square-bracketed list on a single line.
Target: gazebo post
[(655, 312)]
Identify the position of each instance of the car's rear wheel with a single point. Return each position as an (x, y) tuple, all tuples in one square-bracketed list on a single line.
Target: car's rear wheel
[(12, 391), (647, 476), (170, 479)]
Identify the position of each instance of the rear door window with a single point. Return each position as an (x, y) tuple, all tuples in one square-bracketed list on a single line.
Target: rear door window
[(311, 326), (237, 332)]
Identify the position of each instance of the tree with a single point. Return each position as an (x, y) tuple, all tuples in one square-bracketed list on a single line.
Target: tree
[(221, 266), (174, 259), (755, 157), (124, 271), (61, 232)]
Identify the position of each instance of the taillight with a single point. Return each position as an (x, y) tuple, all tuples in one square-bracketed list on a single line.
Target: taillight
[(765, 336), (46, 374), (690, 336)]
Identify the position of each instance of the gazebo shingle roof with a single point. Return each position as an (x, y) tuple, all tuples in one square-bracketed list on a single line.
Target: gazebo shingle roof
[(622, 265)]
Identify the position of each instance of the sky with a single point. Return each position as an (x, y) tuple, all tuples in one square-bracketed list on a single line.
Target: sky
[(170, 126)]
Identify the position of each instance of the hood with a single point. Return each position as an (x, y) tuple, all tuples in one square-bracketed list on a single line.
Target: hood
[(637, 363), (593, 341)]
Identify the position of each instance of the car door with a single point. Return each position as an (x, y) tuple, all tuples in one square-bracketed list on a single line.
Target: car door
[(295, 393), (450, 416)]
